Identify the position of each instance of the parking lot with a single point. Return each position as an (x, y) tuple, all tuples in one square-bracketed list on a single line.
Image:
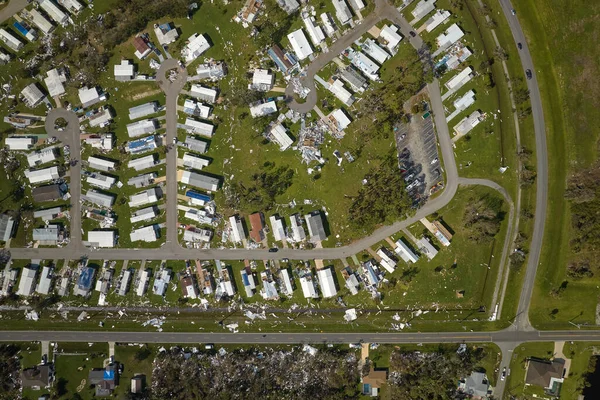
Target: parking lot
[(418, 155)]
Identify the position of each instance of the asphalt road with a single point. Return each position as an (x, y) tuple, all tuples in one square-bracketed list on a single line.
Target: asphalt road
[(12, 8), (541, 200)]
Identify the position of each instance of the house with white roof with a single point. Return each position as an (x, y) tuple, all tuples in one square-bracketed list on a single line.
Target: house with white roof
[(72, 6), (19, 143), (125, 71), (47, 236), (45, 284), (101, 164), (10, 40), (32, 95), (161, 282), (194, 162), (326, 282), (102, 238), (423, 8), (338, 120), (314, 31), (54, 82), (356, 5), (200, 181), (462, 103), (203, 93), (468, 123), (196, 108), (47, 214), (300, 44), (460, 79), (436, 20), (238, 234), (197, 235), (7, 227), (196, 145), (425, 247), (146, 197), (142, 163), (262, 80), (40, 21), (387, 261), (146, 234), (27, 281), (101, 181), (42, 175), (200, 216), (342, 94), (449, 37), (286, 282), (298, 232), (373, 50), (316, 228), (143, 127), (201, 128), (88, 96), (389, 33), (143, 280), (308, 285), (144, 214), (406, 252), (143, 110), (196, 45), (44, 156), (365, 65), (263, 109), (289, 6), (54, 12), (248, 282), (100, 199), (165, 34), (278, 227), (342, 12), (279, 135), (101, 117), (328, 24)]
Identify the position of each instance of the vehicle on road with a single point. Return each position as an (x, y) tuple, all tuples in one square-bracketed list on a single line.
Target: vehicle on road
[(273, 250), (528, 73), (413, 34), (174, 140), (503, 376), (513, 12)]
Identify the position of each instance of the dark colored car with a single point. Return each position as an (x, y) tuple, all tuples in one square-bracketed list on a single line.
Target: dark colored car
[(413, 34), (273, 250), (520, 46), (528, 73)]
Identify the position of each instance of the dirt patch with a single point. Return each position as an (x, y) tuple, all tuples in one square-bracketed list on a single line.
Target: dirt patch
[(141, 95)]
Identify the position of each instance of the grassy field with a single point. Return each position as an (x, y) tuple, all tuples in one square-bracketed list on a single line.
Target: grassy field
[(566, 72)]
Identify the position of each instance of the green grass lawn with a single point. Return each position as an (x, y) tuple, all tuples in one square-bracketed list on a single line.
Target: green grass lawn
[(556, 33)]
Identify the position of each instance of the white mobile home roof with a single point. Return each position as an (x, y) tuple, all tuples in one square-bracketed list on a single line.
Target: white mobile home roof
[(200, 216), (366, 65), (193, 107), (142, 163), (161, 282), (405, 252), (143, 110), (143, 214), (40, 157), (200, 180), (101, 238), (199, 235), (45, 281), (143, 198), (18, 143), (357, 5), (316, 230), (263, 109), (280, 135), (145, 234), (465, 101), (390, 34), (342, 12), (47, 214), (314, 31), (142, 282), (460, 79), (298, 233), (194, 162), (277, 227), (32, 94), (27, 282), (54, 82), (102, 116), (203, 93), (436, 19), (451, 36), (427, 248), (286, 288), (262, 77), (300, 44), (124, 71), (339, 91), (167, 36), (101, 164), (53, 11), (386, 261), (140, 128), (88, 96), (326, 282), (101, 181), (124, 286), (41, 22), (201, 128), (142, 180), (327, 24), (197, 44), (195, 144), (10, 40), (423, 8), (468, 123), (373, 50), (42, 175), (100, 199), (237, 229), (341, 119), (71, 5), (308, 287), (46, 235)]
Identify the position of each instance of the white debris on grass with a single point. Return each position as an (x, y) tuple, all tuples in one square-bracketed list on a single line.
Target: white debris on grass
[(31, 315), (155, 322), (309, 349), (350, 314), (82, 316)]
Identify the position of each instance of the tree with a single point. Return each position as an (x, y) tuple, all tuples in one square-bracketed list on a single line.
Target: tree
[(482, 218), (500, 53)]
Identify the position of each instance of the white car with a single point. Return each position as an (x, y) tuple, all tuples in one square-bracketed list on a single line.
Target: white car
[(174, 140)]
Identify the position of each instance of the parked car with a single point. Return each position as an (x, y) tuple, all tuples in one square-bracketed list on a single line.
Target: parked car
[(528, 73), (273, 250), (413, 34), (520, 46), (503, 375)]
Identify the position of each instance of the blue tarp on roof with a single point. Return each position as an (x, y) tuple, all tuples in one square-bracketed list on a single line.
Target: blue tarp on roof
[(165, 27), (198, 196), (85, 278), (109, 375)]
